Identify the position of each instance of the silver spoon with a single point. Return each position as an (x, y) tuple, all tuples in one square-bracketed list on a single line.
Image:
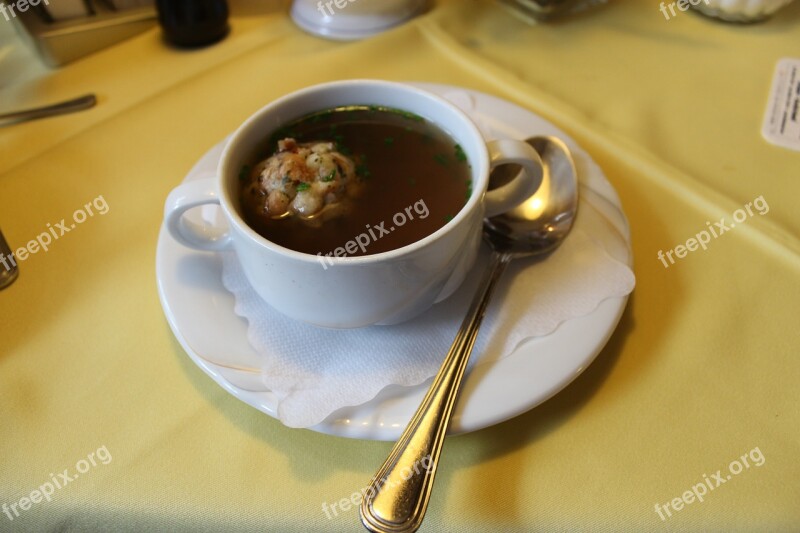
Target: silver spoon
[(70, 106), (398, 495)]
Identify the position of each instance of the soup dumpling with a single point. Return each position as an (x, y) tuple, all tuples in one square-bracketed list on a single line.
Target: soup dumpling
[(301, 179)]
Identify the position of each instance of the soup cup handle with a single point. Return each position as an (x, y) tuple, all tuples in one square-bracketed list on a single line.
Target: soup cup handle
[(187, 196), (523, 186)]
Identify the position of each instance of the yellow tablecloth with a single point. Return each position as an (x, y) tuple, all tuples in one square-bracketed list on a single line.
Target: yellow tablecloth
[(702, 370)]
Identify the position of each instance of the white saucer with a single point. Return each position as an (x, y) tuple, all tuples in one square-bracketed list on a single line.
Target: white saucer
[(200, 311), (355, 19)]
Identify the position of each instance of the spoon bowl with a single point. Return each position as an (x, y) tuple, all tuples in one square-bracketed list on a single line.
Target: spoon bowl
[(541, 222), (398, 495)]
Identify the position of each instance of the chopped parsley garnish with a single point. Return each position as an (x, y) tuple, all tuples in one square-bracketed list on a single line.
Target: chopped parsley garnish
[(460, 155), (402, 112), (362, 171), (441, 159), (409, 115), (330, 176), (388, 141), (469, 188), (303, 187), (448, 218)]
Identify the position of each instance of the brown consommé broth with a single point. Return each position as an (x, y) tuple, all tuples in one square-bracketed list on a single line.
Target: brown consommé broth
[(401, 159)]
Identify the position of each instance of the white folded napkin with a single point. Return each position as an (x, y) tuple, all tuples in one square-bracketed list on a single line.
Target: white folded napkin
[(315, 371)]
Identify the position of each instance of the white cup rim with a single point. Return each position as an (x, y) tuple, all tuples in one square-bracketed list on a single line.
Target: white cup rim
[(478, 161)]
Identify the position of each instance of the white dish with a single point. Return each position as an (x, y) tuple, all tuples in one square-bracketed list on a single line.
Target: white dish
[(351, 20), (200, 312)]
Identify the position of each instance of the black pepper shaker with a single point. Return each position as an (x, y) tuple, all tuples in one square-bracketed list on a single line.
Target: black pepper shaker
[(193, 23)]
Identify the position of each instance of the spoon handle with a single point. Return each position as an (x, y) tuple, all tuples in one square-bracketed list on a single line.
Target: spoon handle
[(77, 104), (397, 497)]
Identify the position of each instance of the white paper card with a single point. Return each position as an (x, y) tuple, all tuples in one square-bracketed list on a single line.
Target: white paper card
[(782, 117)]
